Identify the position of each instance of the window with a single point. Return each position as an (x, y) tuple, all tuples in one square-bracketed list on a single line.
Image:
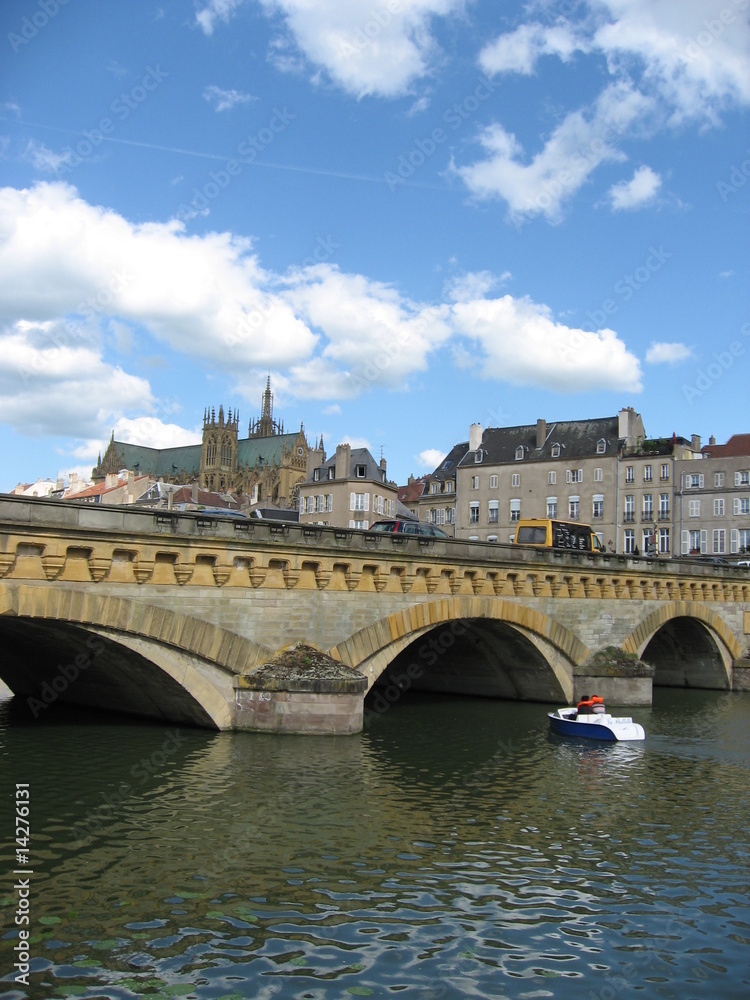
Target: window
[(574, 476), (329, 502), (664, 472), (694, 481), (359, 501), (741, 505), (320, 502), (361, 471), (551, 478), (515, 510), (519, 453), (434, 487), (741, 540), (491, 538), (629, 474), (663, 506), (447, 464), (551, 506), (574, 508), (648, 473), (601, 446), (555, 450), (362, 525), (450, 515), (694, 508), (492, 513), (448, 485), (598, 475), (316, 475), (664, 541), (493, 482), (629, 507), (597, 507), (475, 482), (381, 505), (331, 471), (309, 505), (629, 541), (718, 479), (742, 479), (648, 543), (719, 541), (719, 508), (648, 506), (474, 512), (694, 542), (516, 479)]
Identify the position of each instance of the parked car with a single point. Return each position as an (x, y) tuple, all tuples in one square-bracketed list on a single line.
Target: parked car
[(409, 528), (743, 564)]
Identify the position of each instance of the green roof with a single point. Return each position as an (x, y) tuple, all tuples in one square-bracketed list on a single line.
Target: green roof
[(164, 463)]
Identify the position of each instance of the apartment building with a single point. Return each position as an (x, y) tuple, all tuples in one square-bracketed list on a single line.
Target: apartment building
[(565, 469), (713, 499), (349, 490)]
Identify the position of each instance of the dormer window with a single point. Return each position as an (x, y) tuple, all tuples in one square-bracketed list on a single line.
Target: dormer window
[(478, 455), (331, 471), (447, 464), (361, 471), (519, 453), (601, 446), (555, 450), (316, 475)]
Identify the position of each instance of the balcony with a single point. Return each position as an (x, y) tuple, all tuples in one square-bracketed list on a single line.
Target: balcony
[(629, 517), (665, 515), (647, 515)]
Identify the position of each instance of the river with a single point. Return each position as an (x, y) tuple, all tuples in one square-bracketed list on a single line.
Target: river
[(453, 849)]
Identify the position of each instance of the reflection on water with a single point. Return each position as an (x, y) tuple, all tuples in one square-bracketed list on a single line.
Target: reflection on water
[(454, 849)]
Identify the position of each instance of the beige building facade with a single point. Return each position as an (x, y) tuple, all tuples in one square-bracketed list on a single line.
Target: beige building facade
[(349, 490)]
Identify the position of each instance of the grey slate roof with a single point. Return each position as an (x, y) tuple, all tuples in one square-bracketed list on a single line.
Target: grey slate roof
[(359, 456), (167, 462), (577, 439)]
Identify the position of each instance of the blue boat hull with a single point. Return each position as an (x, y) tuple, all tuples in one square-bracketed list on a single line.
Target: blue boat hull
[(585, 730)]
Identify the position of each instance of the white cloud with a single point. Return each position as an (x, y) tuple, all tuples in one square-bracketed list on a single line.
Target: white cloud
[(215, 10), (430, 458), (522, 344), (365, 48), (226, 99), (518, 51), (154, 433), (574, 150), (50, 385), (669, 354), (667, 62), (327, 335), (45, 159), (638, 191)]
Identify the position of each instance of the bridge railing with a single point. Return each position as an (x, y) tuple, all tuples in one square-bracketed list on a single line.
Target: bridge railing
[(30, 515)]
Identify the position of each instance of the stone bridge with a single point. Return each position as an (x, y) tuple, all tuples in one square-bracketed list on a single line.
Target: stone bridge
[(168, 615)]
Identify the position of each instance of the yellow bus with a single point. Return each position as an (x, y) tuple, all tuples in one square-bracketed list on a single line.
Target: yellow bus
[(550, 533)]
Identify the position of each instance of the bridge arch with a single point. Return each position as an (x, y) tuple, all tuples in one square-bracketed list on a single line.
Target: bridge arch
[(493, 627), (688, 644), (119, 654)]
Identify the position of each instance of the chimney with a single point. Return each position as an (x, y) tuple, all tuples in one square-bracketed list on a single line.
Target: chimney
[(194, 493), (475, 437), (712, 441), (541, 432), (382, 464), (343, 461), (695, 442)]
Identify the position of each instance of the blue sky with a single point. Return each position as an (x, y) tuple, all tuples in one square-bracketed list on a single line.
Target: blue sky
[(413, 214)]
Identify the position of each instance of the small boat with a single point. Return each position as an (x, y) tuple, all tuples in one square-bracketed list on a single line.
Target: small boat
[(590, 719)]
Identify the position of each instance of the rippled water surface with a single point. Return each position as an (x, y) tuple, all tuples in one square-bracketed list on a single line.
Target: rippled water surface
[(454, 849)]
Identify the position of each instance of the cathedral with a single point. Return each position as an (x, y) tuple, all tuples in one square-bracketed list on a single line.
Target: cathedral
[(267, 466)]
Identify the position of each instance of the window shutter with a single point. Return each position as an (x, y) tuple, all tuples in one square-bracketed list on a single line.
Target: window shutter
[(302, 505), (685, 542), (737, 481), (352, 501), (567, 475), (580, 475), (367, 501), (704, 542), (735, 540), (736, 504)]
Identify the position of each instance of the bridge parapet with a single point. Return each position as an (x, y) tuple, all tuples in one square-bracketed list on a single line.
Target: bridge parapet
[(77, 543)]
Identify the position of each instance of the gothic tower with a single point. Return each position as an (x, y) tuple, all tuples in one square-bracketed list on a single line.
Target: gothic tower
[(266, 426), (219, 449)]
